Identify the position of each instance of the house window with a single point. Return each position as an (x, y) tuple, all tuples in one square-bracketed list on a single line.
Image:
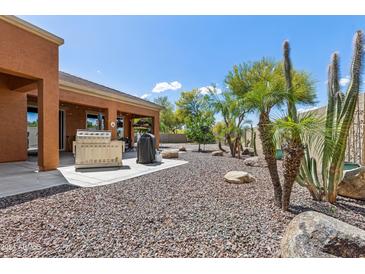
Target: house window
[(120, 127), (93, 121)]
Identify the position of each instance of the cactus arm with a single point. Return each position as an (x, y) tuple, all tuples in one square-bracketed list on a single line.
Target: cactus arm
[(292, 110), (329, 127)]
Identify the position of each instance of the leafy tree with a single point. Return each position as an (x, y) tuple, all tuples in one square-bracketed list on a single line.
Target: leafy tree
[(262, 86), (170, 122), (219, 131), (194, 109), (233, 110)]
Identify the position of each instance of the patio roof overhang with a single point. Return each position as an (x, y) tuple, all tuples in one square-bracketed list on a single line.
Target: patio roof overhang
[(81, 89)]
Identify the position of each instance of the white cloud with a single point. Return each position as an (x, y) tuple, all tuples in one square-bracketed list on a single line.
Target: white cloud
[(164, 86), (205, 90), (344, 81), (99, 71), (144, 96), (301, 110)]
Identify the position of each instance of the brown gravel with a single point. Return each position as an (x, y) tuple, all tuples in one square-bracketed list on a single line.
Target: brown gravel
[(186, 211)]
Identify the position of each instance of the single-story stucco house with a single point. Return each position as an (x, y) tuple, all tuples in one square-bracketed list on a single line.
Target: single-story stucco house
[(30, 82)]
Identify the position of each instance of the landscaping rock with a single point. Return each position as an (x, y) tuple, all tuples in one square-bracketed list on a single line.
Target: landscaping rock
[(239, 177), (248, 151), (217, 153), (312, 234), (182, 148), (353, 184), (170, 153), (159, 215), (255, 162)]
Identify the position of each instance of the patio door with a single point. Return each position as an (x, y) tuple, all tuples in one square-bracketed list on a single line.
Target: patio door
[(32, 129)]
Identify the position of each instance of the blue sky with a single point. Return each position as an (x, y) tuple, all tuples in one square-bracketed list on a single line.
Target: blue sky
[(135, 53)]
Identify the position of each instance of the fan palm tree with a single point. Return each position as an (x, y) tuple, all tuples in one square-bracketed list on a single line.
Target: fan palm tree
[(262, 85), (265, 91)]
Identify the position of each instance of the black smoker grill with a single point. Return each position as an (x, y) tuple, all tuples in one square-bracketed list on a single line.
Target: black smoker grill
[(146, 149)]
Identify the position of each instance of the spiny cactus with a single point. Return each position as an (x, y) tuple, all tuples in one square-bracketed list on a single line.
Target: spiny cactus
[(254, 143), (345, 117), (292, 146), (339, 116), (253, 140), (292, 111)]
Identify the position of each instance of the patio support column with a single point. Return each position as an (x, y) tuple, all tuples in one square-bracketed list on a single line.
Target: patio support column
[(126, 126), (131, 131), (156, 129), (112, 120), (48, 107)]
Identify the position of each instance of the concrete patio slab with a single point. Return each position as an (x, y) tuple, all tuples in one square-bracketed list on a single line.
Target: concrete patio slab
[(105, 176), (22, 177)]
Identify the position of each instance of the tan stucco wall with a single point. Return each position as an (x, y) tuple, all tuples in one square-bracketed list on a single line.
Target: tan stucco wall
[(13, 124), (25, 54)]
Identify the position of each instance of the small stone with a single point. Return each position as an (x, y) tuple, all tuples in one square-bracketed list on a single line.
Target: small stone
[(239, 177), (182, 148), (170, 153), (255, 162), (217, 153)]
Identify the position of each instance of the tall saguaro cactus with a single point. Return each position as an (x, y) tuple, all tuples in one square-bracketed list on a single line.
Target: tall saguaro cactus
[(339, 116), (293, 148), (341, 113)]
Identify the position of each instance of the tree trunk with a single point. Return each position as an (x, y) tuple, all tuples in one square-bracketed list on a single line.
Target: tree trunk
[(238, 147), (220, 146), (199, 147), (293, 154), (269, 152), (231, 146)]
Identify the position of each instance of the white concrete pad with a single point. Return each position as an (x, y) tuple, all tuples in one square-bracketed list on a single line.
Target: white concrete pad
[(104, 176)]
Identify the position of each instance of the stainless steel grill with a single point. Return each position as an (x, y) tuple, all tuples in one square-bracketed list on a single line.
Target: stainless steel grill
[(96, 149)]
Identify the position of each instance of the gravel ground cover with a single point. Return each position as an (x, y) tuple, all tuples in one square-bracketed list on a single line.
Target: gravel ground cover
[(186, 211)]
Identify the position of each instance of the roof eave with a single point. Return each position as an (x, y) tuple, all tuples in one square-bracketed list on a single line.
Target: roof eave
[(114, 96), (20, 23)]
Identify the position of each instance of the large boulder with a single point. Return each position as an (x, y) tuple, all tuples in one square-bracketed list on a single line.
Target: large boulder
[(217, 153), (255, 162), (312, 234), (239, 177), (353, 184), (170, 153)]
